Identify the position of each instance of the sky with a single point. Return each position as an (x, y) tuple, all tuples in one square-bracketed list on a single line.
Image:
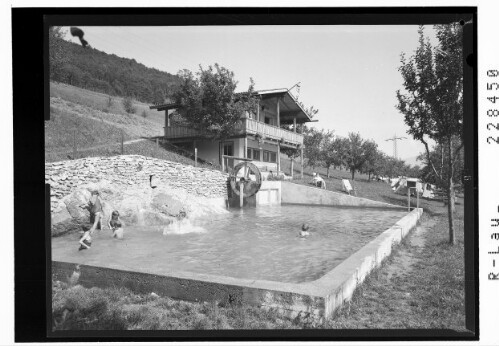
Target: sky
[(350, 73)]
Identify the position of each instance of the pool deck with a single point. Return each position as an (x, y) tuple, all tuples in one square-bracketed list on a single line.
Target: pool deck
[(321, 297)]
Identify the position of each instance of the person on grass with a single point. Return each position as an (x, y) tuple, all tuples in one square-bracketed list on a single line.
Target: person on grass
[(318, 181)]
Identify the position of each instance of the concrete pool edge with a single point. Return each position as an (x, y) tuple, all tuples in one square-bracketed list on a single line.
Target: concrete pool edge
[(321, 297), (292, 193), (338, 285)]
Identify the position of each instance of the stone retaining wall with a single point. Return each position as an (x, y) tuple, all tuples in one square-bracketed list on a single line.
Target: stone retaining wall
[(65, 177)]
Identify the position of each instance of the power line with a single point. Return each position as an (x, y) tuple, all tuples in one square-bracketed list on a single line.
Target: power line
[(395, 139)]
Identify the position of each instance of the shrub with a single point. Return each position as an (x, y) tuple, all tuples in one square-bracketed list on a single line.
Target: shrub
[(128, 105), (110, 102), (275, 177)]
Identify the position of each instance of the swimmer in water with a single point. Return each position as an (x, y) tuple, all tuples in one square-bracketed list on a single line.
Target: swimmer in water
[(304, 230), (115, 225), (86, 239)]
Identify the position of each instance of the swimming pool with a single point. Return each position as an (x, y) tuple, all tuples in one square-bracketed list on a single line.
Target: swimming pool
[(256, 243)]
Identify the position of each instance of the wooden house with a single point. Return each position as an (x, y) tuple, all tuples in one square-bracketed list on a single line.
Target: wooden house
[(258, 137)]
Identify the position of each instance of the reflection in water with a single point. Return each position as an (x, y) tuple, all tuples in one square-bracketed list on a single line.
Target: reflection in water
[(183, 226)]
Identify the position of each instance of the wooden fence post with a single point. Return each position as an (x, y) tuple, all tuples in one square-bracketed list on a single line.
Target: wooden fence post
[(408, 199), (241, 194), (301, 155), (74, 145), (195, 157)]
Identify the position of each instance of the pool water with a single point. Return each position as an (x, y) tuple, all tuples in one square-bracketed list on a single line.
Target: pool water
[(258, 243)]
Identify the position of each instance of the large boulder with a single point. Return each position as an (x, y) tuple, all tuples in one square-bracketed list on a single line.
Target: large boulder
[(74, 203), (137, 205), (61, 214), (167, 204)]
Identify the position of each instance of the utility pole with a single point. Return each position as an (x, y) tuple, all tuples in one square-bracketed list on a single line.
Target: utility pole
[(395, 139)]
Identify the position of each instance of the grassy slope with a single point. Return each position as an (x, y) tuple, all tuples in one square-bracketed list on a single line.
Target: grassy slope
[(99, 101), (99, 125)]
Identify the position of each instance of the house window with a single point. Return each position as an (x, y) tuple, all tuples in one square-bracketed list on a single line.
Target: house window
[(269, 156), (273, 157), (229, 149), (256, 154)]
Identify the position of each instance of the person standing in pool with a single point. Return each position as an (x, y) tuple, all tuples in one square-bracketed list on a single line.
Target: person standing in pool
[(95, 208), (115, 225)]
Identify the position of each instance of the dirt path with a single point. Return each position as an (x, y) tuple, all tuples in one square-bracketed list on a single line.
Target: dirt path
[(402, 262), (389, 299)]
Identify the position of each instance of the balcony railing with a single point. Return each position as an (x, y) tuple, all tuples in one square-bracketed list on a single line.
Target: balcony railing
[(247, 126), (251, 126)]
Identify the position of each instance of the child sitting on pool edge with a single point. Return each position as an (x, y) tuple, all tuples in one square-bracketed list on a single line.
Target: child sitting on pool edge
[(86, 239), (304, 230), (115, 225)]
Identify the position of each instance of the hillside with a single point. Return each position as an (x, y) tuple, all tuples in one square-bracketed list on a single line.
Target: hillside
[(95, 70), (96, 123), (105, 103)]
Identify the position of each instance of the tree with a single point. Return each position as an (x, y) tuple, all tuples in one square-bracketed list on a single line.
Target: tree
[(300, 128), (433, 103), (354, 157), (57, 54), (437, 156), (293, 154), (128, 105), (372, 156), (208, 101), (313, 141), (333, 153)]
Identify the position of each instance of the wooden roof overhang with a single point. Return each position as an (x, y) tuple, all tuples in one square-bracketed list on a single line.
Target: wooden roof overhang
[(165, 106), (289, 108)]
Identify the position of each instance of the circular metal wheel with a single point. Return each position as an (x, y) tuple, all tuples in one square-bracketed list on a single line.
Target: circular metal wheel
[(247, 174)]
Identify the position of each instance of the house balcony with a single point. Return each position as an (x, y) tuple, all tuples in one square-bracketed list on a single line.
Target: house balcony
[(246, 127)]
